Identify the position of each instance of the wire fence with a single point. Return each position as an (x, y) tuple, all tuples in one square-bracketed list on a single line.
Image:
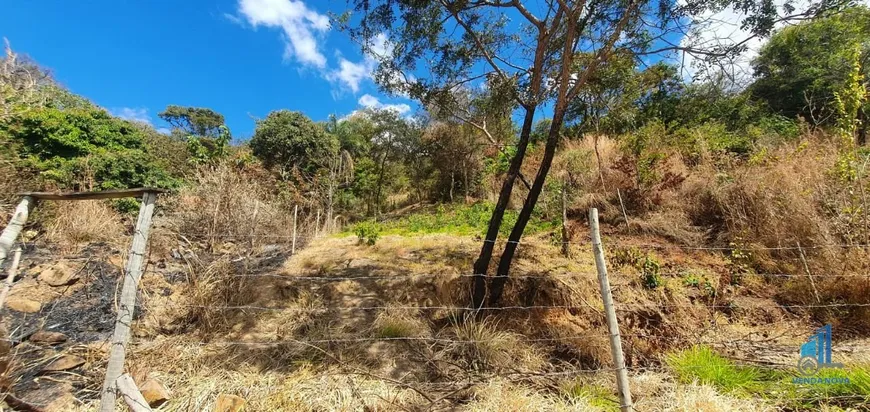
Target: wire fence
[(711, 334)]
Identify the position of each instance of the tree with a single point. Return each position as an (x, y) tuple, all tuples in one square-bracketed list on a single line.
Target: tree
[(196, 121), (803, 67), (533, 63), (287, 140)]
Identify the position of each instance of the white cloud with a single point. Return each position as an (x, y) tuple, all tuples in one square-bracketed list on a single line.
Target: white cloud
[(371, 102), (299, 24), (163, 130), (134, 114), (352, 74)]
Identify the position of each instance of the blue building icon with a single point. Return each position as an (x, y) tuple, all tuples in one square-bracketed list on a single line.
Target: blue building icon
[(816, 352)]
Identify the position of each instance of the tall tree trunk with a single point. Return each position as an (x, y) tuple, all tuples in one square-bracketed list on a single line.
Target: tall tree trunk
[(861, 136), (497, 284), (481, 265), (452, 183), (380, 184), (465, 180)]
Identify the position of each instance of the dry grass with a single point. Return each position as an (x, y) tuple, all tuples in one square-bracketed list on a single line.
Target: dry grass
[(500, 395), (76, 224), (230, 208), (705, 398), (398, 324), (213, 286), (483, 345)]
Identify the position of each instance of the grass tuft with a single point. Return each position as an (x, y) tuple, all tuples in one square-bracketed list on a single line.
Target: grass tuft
[(700, 364), (397, 324)]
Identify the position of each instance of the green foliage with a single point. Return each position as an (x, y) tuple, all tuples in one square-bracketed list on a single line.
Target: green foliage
[(645, 263), (460, 220), (802, 68), (699, 281), (86, 148), (700, 364), (290, 140), (204, 149), (367, 232)]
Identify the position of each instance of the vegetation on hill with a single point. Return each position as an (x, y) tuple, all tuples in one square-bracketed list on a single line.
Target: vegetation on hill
[(743, 207)]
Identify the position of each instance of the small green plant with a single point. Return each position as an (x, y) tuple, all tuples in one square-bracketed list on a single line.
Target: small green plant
[(649, 272), (700, 364), (646, 263), (367, 232), (691, 280), (699, 281)]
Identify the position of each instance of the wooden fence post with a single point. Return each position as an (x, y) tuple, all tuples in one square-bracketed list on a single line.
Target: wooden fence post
[(19, 218), (610, 313), (295, 213), (127, 305), (132, 397), (10, 277)]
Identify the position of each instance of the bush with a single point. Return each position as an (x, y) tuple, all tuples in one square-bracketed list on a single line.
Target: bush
[(85, 148), (367, 232)]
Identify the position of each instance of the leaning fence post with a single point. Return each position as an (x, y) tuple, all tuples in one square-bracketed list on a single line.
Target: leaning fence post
[(610, 312), (10, 233), (127, 305)]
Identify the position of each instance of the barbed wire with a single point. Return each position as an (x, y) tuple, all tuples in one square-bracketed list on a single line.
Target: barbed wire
[(572, 242), (621, 308)]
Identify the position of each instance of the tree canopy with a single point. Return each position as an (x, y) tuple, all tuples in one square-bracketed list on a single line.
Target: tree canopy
[(288, 140)]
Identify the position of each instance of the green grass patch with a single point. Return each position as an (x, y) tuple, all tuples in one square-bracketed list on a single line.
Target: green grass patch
[(597, 396), (460, 219), (700, 364), (784, 387)]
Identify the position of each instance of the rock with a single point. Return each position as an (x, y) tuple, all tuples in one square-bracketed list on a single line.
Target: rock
[(154, 393), (25, 305), (48, 337), (63, 363), (58, 275), (228, 403), (51, 397)]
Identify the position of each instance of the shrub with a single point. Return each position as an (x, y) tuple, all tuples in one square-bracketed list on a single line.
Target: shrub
[(367, 232), (85, 148)]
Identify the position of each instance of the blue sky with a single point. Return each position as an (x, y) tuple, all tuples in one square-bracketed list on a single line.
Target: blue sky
[(243, 58)]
